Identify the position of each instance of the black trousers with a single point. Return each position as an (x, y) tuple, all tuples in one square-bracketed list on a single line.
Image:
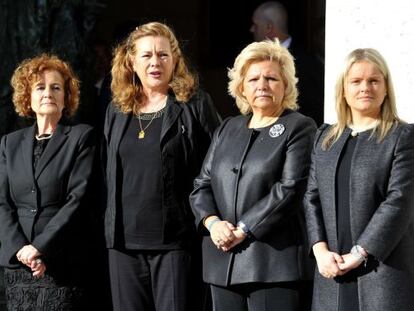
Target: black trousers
[(257, 297), (149, 280)]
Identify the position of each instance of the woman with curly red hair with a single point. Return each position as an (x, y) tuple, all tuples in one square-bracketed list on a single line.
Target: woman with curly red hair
[(44, 172)]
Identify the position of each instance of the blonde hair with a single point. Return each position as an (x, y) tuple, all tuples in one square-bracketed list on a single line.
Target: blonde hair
[(28, 73), (257, 52), (388, 114), (127, 94)]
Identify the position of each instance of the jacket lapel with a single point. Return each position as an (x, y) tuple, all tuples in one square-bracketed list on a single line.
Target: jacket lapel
[(27, 149), (172, 112), (337, 148), (119, 128), (55, 143)]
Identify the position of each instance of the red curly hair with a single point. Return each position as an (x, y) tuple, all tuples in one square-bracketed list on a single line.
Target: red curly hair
[(28, 73)]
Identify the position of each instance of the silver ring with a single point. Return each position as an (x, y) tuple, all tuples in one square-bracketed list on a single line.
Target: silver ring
[(38, 261)]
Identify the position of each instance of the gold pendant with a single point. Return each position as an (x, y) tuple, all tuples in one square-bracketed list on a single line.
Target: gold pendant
[(141, 134)]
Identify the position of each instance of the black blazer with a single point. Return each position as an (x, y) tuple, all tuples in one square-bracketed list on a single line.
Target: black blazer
[(381, 205), (263, 188), (40, 207), (186, 132)]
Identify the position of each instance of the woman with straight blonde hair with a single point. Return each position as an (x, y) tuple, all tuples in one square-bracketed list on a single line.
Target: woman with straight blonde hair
[(360, 195), (157, 130)]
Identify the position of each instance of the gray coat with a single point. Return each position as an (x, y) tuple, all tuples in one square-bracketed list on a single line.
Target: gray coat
[(381, 216), (44, 206)]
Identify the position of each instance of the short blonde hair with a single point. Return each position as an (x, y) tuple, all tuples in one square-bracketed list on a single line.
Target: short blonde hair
[(127, 94), (388, 115), (28, 73), (257, 52)]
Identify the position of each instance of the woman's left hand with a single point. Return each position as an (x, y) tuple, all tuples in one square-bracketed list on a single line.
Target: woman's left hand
[(240, 236), (350, 262), (27, 254), (38, 267)]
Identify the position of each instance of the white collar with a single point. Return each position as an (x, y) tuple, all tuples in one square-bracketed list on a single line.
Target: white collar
[(358, 129)]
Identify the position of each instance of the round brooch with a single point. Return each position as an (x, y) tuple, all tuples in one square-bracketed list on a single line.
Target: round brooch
[(276, 130)]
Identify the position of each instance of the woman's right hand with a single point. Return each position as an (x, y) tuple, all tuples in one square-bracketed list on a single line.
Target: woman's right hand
[(30, 256), (27, 254), (327, 261)]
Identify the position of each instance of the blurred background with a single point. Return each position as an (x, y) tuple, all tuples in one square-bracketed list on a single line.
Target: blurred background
[(83, 32)]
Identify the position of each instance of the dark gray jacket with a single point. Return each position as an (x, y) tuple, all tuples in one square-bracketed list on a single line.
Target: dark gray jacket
[(382, 214), (45, 207), (263, 188), (186, 132)]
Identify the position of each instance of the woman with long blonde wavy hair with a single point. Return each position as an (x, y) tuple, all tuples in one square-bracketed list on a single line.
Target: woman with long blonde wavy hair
[(157, 130)]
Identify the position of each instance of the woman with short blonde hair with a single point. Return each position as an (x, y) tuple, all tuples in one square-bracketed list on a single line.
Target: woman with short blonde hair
[(247, 198)]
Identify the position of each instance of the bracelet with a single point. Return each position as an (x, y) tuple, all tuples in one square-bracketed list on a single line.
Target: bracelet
[(356, 252), (243, 227), (211, 223)]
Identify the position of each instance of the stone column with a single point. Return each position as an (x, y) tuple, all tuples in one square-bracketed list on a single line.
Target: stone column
[(387, 26)]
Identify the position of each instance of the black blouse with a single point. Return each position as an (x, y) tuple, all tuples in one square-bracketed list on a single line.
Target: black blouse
[(39, 147), (140, 180), (348, 289)]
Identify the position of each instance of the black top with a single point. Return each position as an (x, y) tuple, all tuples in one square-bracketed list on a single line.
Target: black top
[(141, 196), (39, 147), (342, 192), (348, 291)]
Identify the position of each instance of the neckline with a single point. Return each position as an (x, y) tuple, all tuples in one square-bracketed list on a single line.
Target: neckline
[(151, 115), (43, 136), (267, 126), (264, 127), (355, 130)]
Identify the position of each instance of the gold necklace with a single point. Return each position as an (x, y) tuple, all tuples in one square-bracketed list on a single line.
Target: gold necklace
[(141, 133)]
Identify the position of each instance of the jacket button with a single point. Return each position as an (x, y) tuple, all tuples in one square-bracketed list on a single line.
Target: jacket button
[(33, 190), (235, 170)]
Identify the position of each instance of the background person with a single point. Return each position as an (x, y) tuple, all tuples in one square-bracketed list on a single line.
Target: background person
[(247, 198), (157, 131), (360, 196), (270, 21), (44, 172)]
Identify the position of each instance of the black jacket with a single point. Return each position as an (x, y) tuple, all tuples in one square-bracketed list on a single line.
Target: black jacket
[(186, 132), (43, 208), (262, 188)]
